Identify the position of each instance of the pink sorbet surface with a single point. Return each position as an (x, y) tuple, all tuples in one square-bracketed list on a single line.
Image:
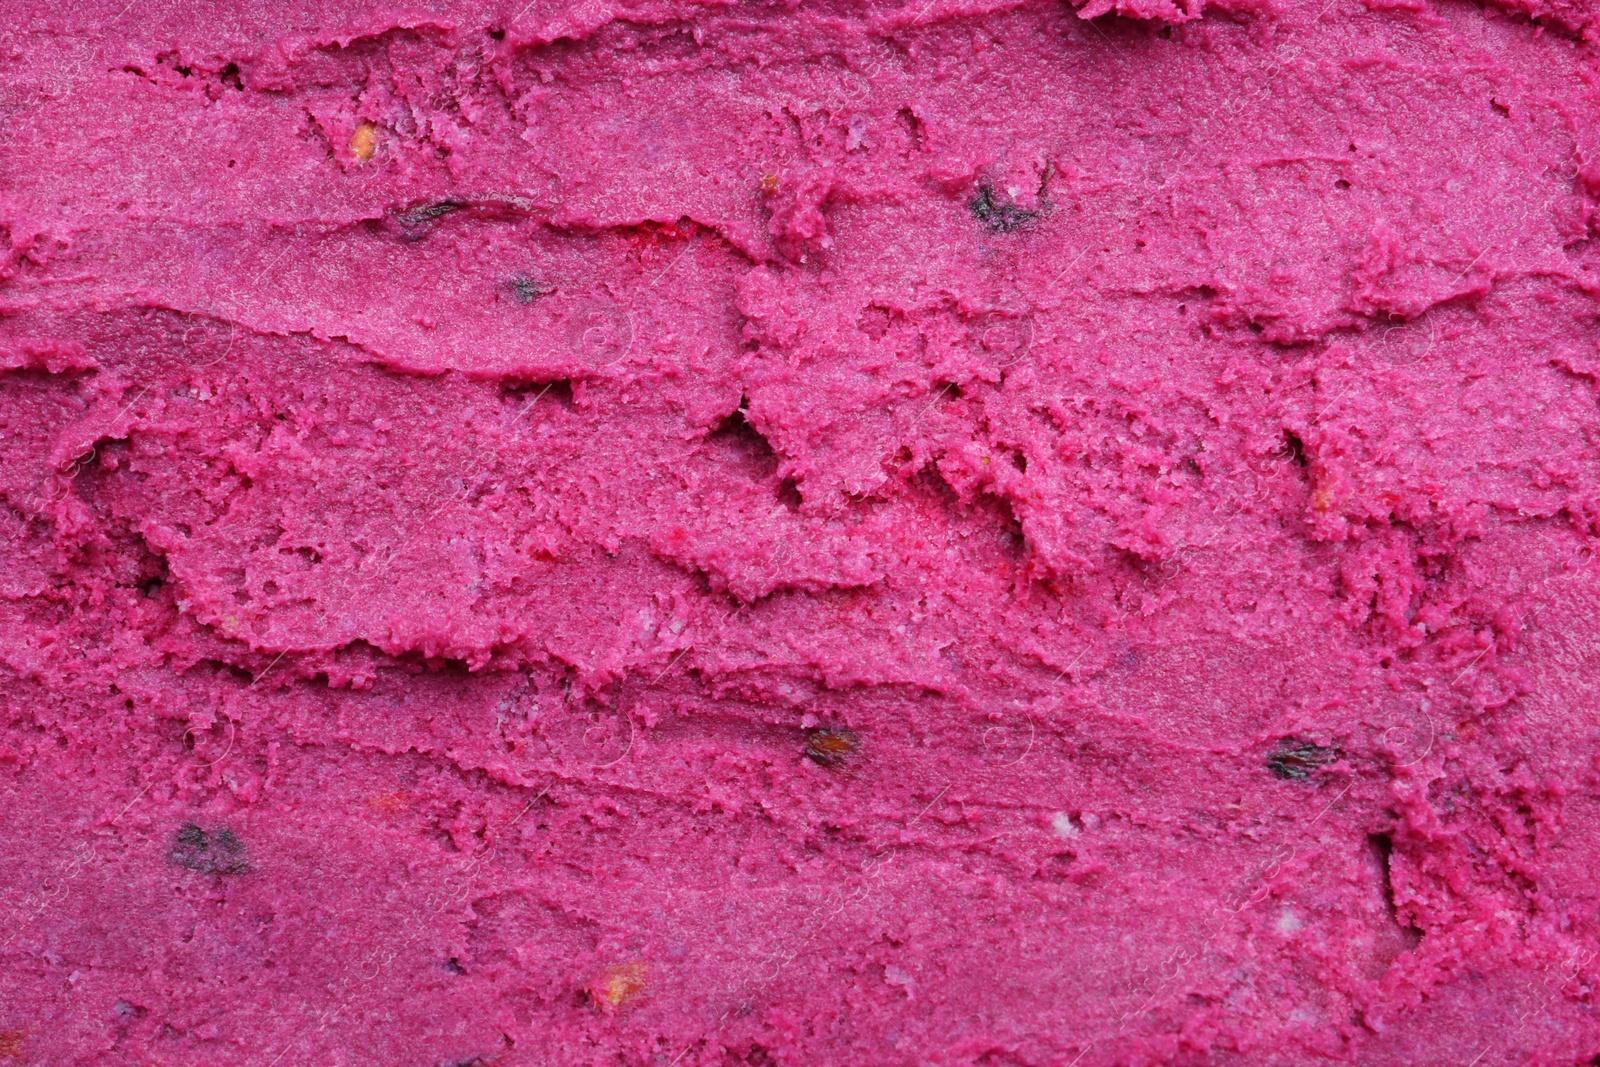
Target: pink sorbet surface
[(694, 532)]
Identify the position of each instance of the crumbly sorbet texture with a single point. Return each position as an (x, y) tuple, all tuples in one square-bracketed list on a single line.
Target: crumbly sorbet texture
[(701, 533)]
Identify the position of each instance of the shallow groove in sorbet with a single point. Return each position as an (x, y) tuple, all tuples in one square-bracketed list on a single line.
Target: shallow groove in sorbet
[(647, 532)]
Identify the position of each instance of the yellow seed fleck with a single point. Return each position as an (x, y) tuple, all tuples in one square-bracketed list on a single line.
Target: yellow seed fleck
[(364, 142), (388, 803), (769, 183), (831, 747), (11, 1044), (620, 983)]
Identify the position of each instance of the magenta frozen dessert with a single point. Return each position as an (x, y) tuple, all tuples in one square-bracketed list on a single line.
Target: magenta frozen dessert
[(667, 533)]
